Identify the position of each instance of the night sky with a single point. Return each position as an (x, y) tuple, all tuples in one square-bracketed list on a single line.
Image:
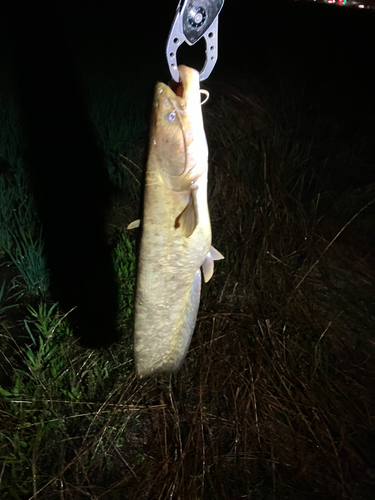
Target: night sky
[(303, 41)]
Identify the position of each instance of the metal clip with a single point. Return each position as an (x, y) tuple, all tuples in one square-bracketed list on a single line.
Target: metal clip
[(194, 19)]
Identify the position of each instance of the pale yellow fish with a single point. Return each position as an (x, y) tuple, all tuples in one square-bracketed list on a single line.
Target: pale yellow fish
[(176, 229)]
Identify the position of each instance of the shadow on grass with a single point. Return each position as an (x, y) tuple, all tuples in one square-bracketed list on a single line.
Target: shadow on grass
[(67, 170)]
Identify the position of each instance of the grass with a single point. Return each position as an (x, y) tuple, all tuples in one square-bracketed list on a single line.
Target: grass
[(10, 297), (274, 398), (119, 121), (21, 238), (124, 264), (28, 256)]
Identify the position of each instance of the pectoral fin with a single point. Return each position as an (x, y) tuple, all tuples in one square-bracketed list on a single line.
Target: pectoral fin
[(188, 219), (134, 224), (208, 264)]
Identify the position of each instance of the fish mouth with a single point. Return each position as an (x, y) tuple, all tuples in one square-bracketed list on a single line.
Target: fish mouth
[(189, 80), (178, 88), (186, 88)]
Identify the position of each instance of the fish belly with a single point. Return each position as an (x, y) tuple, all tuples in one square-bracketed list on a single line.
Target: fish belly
[(168, 288), (162, 338)]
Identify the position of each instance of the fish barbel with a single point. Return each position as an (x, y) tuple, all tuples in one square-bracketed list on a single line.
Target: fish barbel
[(176, 228)]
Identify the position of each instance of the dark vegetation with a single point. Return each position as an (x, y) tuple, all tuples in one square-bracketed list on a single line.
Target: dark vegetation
[(276, 397)]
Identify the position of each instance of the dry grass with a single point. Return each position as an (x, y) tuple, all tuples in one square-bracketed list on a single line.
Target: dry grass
[(275, 399)]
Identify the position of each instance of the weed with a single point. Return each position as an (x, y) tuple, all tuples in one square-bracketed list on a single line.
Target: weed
[(44, 353), (20, 234), (124, 264), (29, 258), (4, 299)]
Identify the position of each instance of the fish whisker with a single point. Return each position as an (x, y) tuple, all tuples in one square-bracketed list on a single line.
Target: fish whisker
[(205, 93)]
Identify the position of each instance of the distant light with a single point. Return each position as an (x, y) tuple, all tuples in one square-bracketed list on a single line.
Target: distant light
[(368, 4)]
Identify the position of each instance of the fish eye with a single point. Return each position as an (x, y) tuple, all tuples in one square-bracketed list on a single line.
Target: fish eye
[(171, 116)]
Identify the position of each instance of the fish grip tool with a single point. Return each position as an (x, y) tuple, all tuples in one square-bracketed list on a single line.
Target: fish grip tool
[(194, 19)]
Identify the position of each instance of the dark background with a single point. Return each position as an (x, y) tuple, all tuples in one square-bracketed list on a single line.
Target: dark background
[(328, 49), (54, 53)]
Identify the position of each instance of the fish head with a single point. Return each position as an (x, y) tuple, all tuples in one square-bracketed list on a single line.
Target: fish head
[(177, 134)]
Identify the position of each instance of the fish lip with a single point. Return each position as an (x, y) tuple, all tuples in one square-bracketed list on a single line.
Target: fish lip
[(179, 89), (182, 90), (186, 83)]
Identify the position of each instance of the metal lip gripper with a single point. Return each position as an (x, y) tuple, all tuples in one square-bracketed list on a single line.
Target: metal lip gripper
[(194, 19)]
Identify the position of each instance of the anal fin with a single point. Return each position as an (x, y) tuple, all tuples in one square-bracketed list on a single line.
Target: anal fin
[(208, 264)]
